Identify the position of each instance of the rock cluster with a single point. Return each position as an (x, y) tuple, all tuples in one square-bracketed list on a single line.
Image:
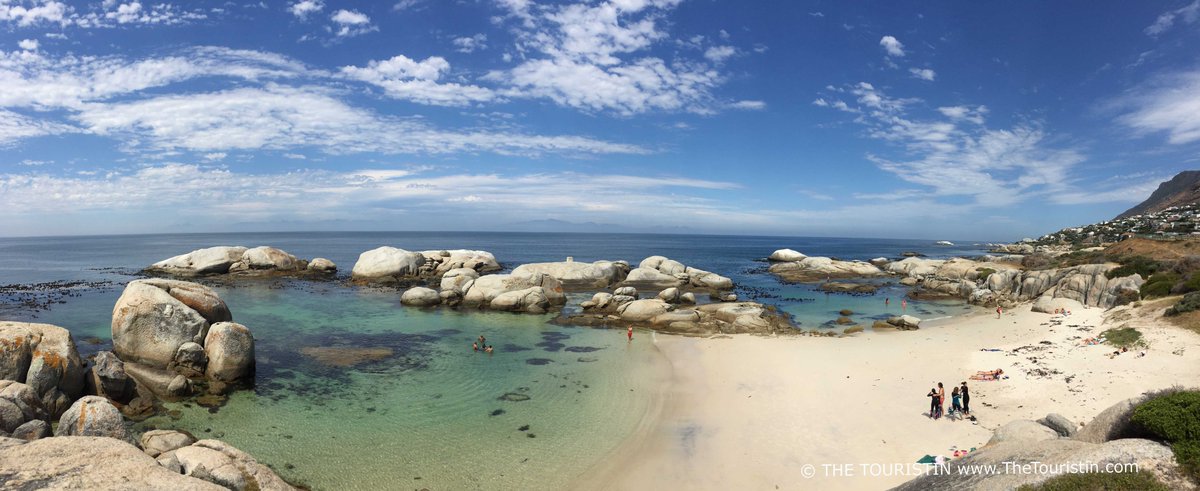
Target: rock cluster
[(793, 266), (607, 310), (577, 275), (392, 265), (1054, 441), (168, 332), (241, 261), (658, 272)]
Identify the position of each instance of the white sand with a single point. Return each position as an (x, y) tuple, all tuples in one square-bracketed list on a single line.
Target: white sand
[(750, 412)]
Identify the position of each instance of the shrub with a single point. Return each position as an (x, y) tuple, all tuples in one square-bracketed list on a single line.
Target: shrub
[(1096, 481), (1037, 261), (983, 273), (1188, 303), (1192, 284), (1175, 419), (1141, 265), (1159, 285), (1126, 337)]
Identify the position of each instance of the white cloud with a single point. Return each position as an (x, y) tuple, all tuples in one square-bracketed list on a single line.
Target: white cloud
[(28, 44), (816, 14), (215, 156), (923, 73), (748, 105), (470, 44), (303, 8), (1170, 104), (718, 54), (115, 14), (1186, 14), (403, 5), (285, 118), (892, 46), (959, 155), (591, 57), (417, 81), (15, 127), (33, 12), (219, 195), (349, 23)]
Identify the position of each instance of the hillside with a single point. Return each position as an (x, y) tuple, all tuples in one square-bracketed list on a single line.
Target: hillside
[(1182, 189)]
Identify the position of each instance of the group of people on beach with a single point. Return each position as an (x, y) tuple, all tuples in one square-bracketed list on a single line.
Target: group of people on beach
[(960, 404), (482, 341)]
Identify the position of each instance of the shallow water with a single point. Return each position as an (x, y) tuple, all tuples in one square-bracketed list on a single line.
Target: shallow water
[(416, 407)]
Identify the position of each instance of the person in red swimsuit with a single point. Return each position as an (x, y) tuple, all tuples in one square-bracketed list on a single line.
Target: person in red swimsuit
[(630, 333)]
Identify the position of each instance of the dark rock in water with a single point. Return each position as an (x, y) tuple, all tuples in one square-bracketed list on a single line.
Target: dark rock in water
[(497, 412), (512, 348), (523, 428), (588, 359), (582, 349), (514, 397), (551, 346), (531, 435), (539, 361), (211, 401), (338, 356), (555, 336)]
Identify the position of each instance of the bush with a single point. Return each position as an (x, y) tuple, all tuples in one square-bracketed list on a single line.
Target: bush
[(1141, 265), (983, 273), (1175, 419), (1188, 303), (1191, 285), (1037, 261), (1159, 285), (1124, 337), (1095, 481)]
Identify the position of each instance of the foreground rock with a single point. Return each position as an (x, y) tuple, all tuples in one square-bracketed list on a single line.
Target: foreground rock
[(19, 405), (578, 276), (222, 464), (239, 260), (62, 463), (621, 311), (535, 293), (44, 358), (392, 265), (93, 416), (658, 272), (808, 269)]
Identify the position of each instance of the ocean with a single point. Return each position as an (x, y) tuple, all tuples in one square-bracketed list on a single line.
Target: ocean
[(426, 411)]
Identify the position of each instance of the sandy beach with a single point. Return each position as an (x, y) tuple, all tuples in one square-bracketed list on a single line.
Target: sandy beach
[(748, 412)]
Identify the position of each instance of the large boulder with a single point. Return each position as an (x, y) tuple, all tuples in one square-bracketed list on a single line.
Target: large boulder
[(420, 297), (484, 290), (917, 267), (1111, 424), (1060, 424), (107, 378), (31, 430), (157, 442), (578, 275), (387, 264), (700, 278), (532, 300), (93, 416), (222, 464), (1048, 304), (642, 310), (268, 258), (212, 260), (43, 357), (230, 350), (786, 255), (904, 322), (439, 262), (1022, 431), (322, 265), (815, 268), (652, 279), (458, 279), (152, 318), (19, 404), (88, 463)]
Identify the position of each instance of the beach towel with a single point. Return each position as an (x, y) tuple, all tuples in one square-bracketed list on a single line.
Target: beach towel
[(927, 459)]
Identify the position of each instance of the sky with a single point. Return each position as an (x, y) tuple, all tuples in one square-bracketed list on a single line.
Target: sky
[(932, 120)]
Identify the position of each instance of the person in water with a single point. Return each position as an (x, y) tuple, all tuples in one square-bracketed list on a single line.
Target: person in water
[(966, 398), (630, 333), (488, 349), (482, 340), (475, 346)]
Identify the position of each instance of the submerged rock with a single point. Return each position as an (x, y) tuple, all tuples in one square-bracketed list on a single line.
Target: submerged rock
[(338, 356)]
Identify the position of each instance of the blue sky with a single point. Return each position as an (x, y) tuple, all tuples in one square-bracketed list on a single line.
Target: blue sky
[(975, 120)]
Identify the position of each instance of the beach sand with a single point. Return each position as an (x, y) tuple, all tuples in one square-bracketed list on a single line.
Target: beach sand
[(748, 412)]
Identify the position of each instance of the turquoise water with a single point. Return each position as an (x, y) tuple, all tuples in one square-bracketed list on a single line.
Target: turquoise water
[(429, 412)]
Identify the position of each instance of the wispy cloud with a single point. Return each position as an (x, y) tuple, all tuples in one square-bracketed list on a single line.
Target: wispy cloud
[(1186, 15), (404, 78), (923, 73), (1169, 104)]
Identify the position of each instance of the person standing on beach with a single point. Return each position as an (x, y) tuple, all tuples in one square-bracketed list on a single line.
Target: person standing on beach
[(998, 311), (933, 403), (966, 398), (955, 403), (630, 333), (941, 400)]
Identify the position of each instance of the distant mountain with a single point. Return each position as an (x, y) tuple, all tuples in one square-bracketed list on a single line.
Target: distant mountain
[(1183, 189)]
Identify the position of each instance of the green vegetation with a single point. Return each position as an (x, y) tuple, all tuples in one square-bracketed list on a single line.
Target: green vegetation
[(1095, 481), (983, 273), (1159, 285), (1189, 303), (1141, 265), (1124, 337), (1175, 419)]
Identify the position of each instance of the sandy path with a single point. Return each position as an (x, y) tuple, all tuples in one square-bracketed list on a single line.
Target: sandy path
[(748, 412)]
